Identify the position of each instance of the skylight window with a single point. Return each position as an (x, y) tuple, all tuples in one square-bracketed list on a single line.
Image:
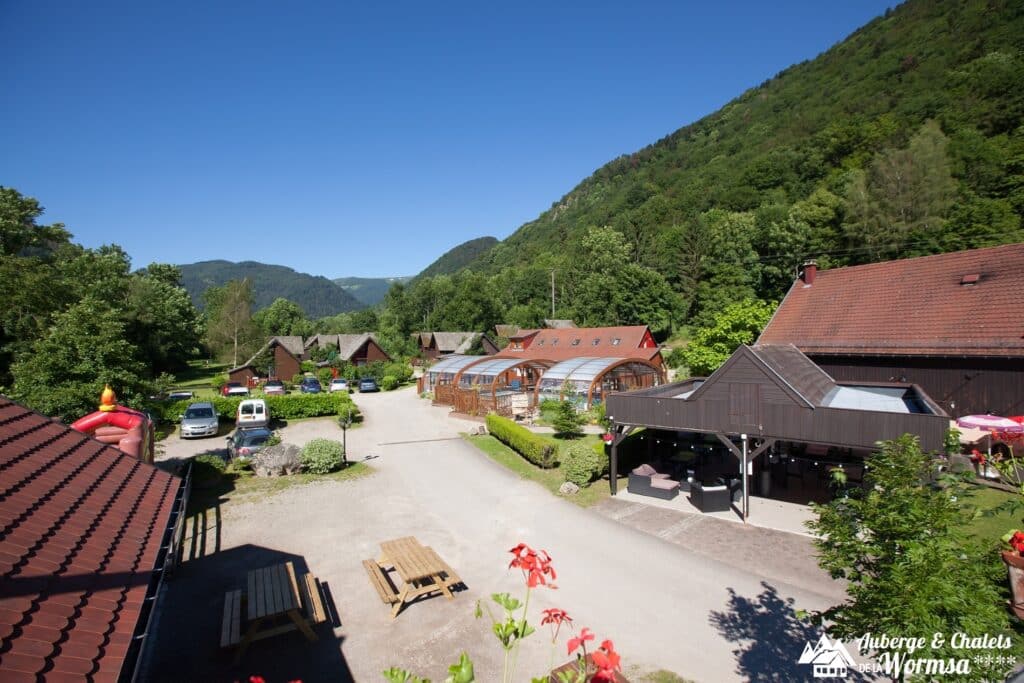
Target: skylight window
[(576, 341), (540, 342), (615, 342), (554, 342), (971, 279), (597, 340)]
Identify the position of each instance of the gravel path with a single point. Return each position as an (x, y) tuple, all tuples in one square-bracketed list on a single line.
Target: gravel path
[(666, 602)]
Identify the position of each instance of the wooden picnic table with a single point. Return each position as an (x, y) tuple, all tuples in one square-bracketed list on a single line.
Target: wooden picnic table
[(421, 569), (275, 602)]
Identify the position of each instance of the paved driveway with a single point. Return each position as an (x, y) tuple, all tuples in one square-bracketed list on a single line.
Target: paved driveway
[(665, 605)]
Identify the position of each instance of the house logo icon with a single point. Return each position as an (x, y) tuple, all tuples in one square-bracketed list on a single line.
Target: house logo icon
[(829, 659)]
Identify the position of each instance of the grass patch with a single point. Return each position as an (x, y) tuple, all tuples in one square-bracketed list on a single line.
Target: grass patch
[(990, 527), (550, 479), (663, 676), (245, 486), (199, 375)]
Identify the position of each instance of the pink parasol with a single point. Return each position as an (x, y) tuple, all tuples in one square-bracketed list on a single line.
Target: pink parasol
[(992, 423)]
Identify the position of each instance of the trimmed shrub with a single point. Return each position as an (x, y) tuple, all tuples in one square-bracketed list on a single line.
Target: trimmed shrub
[(567, 422), (281, 407), (581, 464), (321, 456), (207, 469), (534, 448), (388, 382)]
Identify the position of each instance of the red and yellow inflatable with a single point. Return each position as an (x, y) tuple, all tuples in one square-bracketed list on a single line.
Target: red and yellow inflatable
[(129, 430)]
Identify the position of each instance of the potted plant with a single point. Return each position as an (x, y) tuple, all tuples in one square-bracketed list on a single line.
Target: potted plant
[(1014, 559)]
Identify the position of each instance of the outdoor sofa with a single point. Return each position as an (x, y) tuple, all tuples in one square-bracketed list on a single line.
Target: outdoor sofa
[(710, 498), (647, 481)]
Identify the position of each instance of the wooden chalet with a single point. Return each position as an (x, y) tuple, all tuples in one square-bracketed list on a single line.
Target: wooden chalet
[(433, 345), (357, 349), (949, 323), (287, 360), (770, 412)]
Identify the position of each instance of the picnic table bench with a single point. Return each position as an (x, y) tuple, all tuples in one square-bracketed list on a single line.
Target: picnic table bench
[(420, 568), (276, 601)]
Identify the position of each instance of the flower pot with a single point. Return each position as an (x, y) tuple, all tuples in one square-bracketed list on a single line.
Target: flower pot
[(1015, 568)]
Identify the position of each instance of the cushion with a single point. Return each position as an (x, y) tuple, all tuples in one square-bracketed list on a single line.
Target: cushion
[(645, 470), (656, 475), (714, 488), (666, 484)]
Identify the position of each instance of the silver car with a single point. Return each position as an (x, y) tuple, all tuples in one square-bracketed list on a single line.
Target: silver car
[(200, 419)]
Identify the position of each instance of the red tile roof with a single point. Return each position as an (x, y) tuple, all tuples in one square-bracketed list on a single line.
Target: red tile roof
[(81, 525), (918, 306), (634, 341)]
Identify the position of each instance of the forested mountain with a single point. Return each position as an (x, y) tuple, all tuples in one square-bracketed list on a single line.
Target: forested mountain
[(904, 139), (369, 291), (459, 257), (316, 295)]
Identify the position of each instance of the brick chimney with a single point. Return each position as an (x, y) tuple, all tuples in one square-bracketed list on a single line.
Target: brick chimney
[(808, 271)]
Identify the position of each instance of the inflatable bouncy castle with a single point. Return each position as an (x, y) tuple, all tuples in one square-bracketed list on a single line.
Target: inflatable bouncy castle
[(129, 430)]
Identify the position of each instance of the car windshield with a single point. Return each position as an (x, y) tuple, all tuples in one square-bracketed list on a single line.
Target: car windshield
[(193, 413), (254, 438), (274, 383)]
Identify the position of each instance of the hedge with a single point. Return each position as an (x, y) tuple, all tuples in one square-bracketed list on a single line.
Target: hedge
[(582, 464), (281, 407), (534, 448)]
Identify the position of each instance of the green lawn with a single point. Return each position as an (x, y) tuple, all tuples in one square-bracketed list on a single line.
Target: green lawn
[(990, 527), (549, 479), (199, 375)]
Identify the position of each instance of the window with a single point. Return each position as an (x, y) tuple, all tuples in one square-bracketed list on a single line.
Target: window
[(540, 343), (596, 341), (576, 341), (554, 342), (615, 342)]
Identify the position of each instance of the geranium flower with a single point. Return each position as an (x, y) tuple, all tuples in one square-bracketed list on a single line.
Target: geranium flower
[(1017, 542), (556, 617), (978, 457), (606, 659), (584, 636), (536, 567)]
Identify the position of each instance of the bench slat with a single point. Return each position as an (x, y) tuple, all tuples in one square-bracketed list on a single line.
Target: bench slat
[(311, 599), (231, 622), (380, 582)]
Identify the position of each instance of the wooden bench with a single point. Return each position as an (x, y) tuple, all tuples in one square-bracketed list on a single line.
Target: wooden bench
[(311, 602), (380, 581), (231, 623)]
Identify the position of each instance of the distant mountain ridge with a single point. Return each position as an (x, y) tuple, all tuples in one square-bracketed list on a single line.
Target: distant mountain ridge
[(318, 296), (369, 290), (457, 258)]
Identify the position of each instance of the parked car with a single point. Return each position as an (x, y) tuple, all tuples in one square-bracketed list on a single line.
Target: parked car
[(180, 395), (368, 384), (310, 385), (274, 387), (252, 412), (234, 389), (338, 384), (200, 419), (247, 442)]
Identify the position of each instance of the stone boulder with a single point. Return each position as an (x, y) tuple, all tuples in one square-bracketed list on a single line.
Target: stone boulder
[(276, 461), (568, 489)]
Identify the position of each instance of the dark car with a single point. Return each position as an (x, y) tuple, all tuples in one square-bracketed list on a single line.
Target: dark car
[(246, 442), (368, 384), (234, 389), (310, 385)]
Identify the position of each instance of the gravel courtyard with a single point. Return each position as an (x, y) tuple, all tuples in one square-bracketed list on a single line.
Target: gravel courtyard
[(666, 604)]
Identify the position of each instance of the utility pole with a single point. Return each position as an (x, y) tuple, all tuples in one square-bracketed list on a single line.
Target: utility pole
[(552, 293)]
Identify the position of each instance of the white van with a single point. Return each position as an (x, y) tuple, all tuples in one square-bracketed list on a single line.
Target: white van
[(252, 412)]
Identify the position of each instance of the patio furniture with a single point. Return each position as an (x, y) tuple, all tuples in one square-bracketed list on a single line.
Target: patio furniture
[(710, 498), (421, 569), (647, 481), (275, 602)]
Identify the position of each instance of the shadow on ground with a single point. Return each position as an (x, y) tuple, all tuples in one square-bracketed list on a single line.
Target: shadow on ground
[(769, 637), (187, 646)]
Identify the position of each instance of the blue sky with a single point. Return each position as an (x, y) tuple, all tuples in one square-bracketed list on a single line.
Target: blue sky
[(343, 138)]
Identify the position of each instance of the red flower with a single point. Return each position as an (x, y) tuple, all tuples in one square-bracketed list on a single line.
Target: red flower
[(1017, 542), (257, 679), (606, 659), (555, 616), (978, 457), (535, 566), (582, 638)]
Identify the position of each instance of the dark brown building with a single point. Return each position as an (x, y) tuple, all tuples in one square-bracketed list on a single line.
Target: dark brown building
[(286, 363), (949, 323), (358, 349), (433, 345)]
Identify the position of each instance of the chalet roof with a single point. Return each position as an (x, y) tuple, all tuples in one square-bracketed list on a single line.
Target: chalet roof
[(555, 324), (506, 330), (633, 341), (955, 304), (292, 345), (82, 529), (348, 344), (454, 342)]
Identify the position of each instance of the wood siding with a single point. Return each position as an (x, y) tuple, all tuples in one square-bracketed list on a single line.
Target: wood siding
[(833, 426), (368, 353), (961, 386), (286, 365)]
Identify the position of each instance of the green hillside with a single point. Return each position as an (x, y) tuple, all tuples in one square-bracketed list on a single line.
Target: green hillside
[(904, 139), (459, 257), (369, 291), (318, 296), (833, 158)]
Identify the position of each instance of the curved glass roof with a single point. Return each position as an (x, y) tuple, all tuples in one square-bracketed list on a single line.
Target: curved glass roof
[(579, 369), (495, 366), (453, 363)]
